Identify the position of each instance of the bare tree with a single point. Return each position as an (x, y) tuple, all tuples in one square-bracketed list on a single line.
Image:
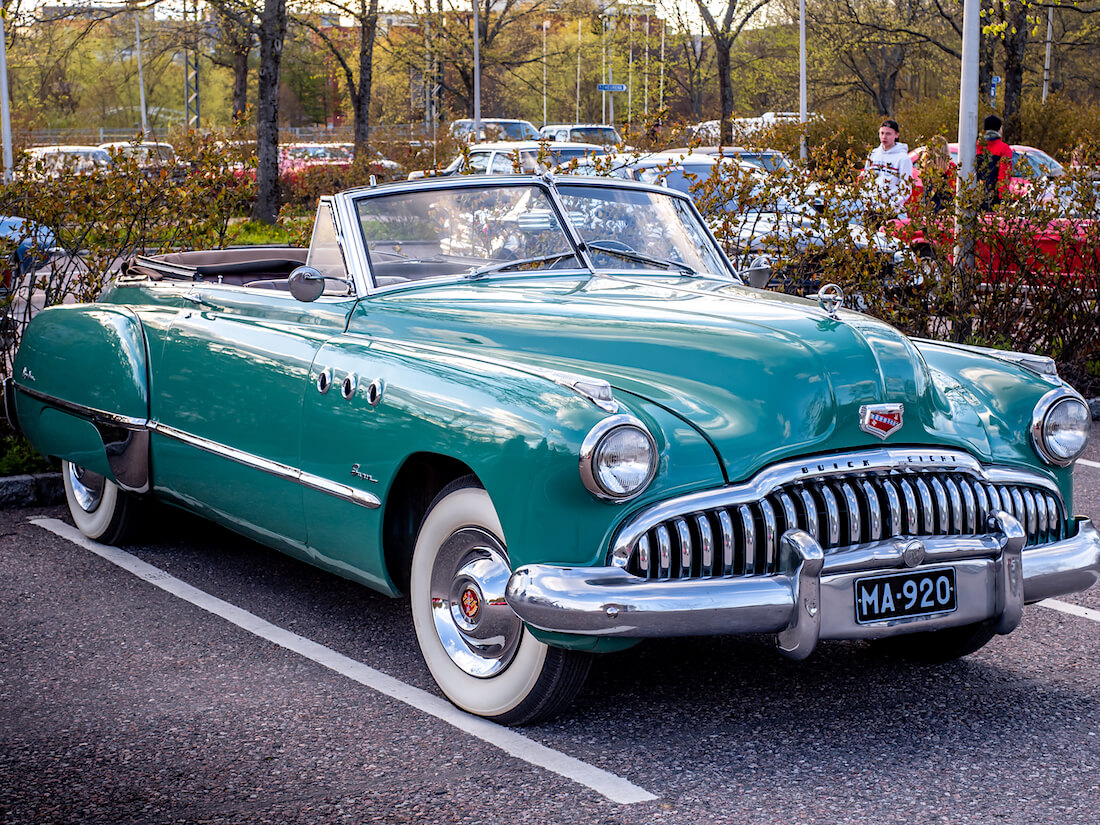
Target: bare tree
[(358, 78), (724, 35), (273, 22)]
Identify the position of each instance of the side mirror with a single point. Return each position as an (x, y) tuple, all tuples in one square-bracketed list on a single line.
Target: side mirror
[(759, 272), (306, 284)]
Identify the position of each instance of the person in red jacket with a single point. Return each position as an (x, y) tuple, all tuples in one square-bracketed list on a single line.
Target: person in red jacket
[(993, 163)]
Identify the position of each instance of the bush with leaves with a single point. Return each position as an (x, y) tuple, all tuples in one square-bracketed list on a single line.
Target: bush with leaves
[(101, 219)]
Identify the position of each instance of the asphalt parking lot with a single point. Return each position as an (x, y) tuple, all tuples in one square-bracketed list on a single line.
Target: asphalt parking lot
[(229, 684)]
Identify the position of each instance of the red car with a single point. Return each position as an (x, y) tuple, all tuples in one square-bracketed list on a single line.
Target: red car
[(1028, 164)]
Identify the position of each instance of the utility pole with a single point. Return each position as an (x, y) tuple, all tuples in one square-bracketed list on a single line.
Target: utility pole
[(545, 26), (1046, 60), (802, 151), (141, 78), (477, 76), (630, 75), (191, 74), (577, 113), (968, 129), (5, 103)]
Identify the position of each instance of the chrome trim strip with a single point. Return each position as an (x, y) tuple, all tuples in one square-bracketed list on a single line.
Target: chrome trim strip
[(926, 506), (790, 516), (894, 503), (97, 416), (943, 515), (969, 506), (832, 512), (664, 552), (873, 510), (910, 506), (956, 506), (643, 553), (706, 542), (882, 460), (771, 535), (725, 523), (749, 526), (983, 503), (811, 514), (275, 468), (854, 534), (686, 549)]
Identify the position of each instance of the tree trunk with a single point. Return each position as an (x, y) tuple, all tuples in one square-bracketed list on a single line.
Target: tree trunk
[(272, 34), (1015, 45), (240, 80), (985, 52), (368, 29), (725, 90)]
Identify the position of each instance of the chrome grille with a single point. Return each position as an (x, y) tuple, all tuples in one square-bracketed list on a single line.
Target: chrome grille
[(742, 539)]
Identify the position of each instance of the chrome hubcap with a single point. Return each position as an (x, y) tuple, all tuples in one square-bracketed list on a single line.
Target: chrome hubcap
[(87, 488), (478, 629)]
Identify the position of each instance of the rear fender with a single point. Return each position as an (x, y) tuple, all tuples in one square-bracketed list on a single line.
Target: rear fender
[(81, 390)]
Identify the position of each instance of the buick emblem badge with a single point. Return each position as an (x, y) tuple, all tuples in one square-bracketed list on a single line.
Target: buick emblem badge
[(880, 419)]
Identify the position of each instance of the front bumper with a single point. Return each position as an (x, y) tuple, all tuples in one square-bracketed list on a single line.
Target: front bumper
[(812, 598)]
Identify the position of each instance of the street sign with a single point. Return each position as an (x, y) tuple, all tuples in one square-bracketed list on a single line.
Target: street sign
[(995, 81), (611, 87)]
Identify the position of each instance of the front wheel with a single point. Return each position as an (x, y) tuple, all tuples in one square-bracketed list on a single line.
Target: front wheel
[(478, 651), (100, 510)]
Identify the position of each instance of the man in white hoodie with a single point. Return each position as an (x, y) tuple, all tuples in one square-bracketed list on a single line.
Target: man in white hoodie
[(888, 173)]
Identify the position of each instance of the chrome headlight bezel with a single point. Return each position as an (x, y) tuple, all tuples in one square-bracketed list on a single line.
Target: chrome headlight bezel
[(591, 445), (1041, 416)]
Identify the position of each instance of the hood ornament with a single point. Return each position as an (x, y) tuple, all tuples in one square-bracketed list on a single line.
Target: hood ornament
[(831, 298), (880, 419)]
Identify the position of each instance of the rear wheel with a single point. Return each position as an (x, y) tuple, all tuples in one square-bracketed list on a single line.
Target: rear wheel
[(478, 651), (100, 510), (939, 646)]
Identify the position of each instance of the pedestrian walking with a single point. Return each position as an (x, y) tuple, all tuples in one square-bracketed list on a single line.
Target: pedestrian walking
[(937, 175), (993, 163), (888, 171)]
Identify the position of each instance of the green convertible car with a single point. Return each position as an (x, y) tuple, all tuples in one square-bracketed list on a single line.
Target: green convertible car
[(550, 411)]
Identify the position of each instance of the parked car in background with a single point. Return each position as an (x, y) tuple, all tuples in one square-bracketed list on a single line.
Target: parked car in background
[(53, 161), (153, 158), (768, 160), (601, 134), (510, 157), (294, 158), (25, 247), (493, 129), (547, 408)]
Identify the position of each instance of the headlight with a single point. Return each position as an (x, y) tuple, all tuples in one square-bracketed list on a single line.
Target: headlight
[(618, 458), (1060, 427)]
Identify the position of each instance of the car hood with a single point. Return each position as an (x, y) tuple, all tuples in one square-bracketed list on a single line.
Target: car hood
[(763, 376)]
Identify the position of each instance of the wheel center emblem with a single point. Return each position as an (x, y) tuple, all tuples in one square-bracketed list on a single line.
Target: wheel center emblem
[(471, 604)]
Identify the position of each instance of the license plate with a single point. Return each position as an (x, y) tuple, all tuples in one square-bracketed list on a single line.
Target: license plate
[(896, 596)]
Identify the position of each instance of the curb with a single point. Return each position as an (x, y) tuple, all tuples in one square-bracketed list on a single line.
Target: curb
[(31, 490)]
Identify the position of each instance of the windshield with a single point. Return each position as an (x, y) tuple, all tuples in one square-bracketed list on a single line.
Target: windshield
[(649, 224), (471, 231), (603, 135), (448, 232)]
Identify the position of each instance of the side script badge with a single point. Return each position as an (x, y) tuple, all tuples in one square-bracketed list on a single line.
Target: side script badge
[(880, 419)]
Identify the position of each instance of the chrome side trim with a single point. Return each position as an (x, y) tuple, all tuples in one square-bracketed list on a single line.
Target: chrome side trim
[(275, 468), (882, 460)]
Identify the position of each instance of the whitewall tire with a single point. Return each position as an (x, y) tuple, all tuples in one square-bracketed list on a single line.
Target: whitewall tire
[(478, 651), (100, 510)]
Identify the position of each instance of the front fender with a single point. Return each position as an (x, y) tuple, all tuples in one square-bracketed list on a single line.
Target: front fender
[(81, 390)]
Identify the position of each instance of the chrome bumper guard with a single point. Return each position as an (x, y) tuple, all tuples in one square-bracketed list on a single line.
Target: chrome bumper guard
[(813, 598)]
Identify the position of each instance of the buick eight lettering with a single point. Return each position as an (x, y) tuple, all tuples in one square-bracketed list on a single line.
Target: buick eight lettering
[(550, 411)]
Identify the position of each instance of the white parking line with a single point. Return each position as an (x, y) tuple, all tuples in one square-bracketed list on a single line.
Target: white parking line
[(607, 784), (1088, 463), (1071, 609)]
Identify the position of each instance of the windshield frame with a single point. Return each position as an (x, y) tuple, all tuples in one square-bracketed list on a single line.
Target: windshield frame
[(359, 259)]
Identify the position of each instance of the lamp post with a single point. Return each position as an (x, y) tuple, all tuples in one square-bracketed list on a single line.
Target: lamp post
[(5, 108), (968, 129), (545, 26), (1046, 60), (141, 78), (802, 151), (577, 113)]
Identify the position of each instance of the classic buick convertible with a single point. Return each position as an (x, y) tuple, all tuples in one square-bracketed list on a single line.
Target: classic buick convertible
[(551, 412)]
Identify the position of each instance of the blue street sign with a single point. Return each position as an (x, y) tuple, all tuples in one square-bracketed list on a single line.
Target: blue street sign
[(611, 87)]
